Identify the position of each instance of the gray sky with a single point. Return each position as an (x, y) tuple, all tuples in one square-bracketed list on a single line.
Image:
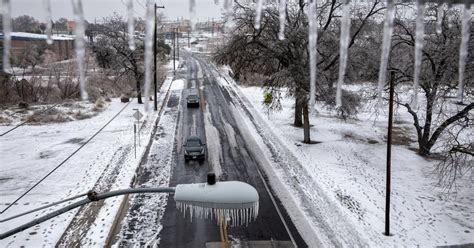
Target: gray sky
[(205, 9)]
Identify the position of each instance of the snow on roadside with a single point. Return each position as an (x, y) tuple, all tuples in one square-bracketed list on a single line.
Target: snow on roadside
[(98, 232), (158, 171), (213, 148), (30, 152), (280, 185), (349, 163)]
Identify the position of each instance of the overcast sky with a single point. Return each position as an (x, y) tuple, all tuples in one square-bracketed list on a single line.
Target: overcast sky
[(101, 8)]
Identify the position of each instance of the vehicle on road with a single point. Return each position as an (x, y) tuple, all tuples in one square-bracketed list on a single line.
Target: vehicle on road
[(192, 100), (194, 149)]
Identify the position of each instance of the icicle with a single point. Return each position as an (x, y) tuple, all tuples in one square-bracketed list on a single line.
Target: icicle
[(343, 49), (282, 16), (235, 216), (150, 21), (192, 12), (7, 28), (258, 13), (386, 43), (439, 20), (313, 50), (131, 25), (227, 13), (227, 5), (418, 50), (49, 24), (450, 16), (463, 50), (80, 44)]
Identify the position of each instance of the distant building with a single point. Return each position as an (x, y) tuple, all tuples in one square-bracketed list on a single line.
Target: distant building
[(168, 27), (63, 46), (183, 26)]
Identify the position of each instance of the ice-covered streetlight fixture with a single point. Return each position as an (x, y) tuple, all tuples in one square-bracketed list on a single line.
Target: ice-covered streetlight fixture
[(232, 201)]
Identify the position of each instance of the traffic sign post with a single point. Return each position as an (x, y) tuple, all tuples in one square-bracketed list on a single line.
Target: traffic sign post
[(135, 138), (138, 116)]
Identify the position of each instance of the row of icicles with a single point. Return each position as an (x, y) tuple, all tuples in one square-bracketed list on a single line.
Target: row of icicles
[(386, 43), (312, 44), (233, 217)]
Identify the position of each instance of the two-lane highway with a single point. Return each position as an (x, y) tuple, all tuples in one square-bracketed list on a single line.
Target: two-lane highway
[(231, 159), (228, 155)]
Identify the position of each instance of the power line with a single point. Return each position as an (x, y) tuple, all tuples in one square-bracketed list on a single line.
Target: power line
[(65, 160), (41, 112), (139, 3), (135, 10), (43, 207)]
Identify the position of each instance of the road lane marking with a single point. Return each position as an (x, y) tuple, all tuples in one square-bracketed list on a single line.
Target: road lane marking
[(193, 127), (222, 231)]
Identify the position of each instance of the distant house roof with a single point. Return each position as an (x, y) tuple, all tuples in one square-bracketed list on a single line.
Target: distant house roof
[(32, 36)]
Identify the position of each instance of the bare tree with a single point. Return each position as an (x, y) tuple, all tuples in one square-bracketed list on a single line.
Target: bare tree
[(26, 23), (441, 124), (438, 79), (457, 159), (286, 62), (112, 51), (112, 48), (29, 57)]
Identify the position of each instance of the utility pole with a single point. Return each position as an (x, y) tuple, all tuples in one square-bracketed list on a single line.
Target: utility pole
[(177, 41), (212, 27), (154, 52), (189, 34), (389, 157)]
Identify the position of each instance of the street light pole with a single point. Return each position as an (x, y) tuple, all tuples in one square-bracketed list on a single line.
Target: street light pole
[(91, 197), (177, 41), (232, 200), (389, 156)]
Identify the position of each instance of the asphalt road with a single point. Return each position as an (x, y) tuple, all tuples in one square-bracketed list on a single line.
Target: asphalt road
[(236, 162)]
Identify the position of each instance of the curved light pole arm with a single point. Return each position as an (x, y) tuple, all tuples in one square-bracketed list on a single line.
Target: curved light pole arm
[(92, 196)]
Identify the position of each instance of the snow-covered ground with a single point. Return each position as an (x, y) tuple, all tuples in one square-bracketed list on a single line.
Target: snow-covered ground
[(349, 164), (142, 224), (107, 161)]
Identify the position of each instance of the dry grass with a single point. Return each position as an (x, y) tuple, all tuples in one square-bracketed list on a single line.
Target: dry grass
[(402, 135), (79, 115), (47, 118), (5, 121), (99, 103)]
